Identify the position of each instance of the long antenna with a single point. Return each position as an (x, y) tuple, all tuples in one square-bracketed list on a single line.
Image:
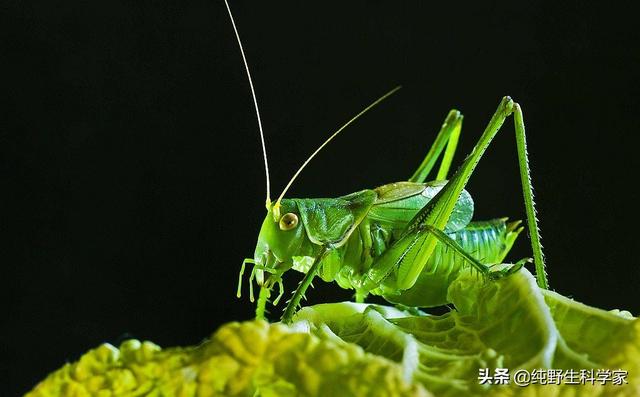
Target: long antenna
[(255, 103), (365, 110)]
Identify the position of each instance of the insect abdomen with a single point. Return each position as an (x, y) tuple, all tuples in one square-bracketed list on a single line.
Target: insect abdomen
[(487, 241)]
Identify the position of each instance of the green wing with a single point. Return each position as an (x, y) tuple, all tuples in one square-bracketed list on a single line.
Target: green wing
[(399, 202)]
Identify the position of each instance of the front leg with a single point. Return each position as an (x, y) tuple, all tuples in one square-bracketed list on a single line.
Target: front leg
[(298, 294)]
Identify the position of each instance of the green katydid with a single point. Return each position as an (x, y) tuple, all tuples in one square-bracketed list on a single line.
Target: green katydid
[(406, 241)]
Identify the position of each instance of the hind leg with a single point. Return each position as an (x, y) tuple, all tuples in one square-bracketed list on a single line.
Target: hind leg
[(447, 136)]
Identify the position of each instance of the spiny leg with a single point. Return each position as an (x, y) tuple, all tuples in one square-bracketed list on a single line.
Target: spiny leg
[(261, 305), (265, 291), (447, 136), (529, 204), (435, 214), (298, 294), (438, 215)]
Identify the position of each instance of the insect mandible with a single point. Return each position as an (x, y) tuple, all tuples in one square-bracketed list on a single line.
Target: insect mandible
[(406, 241)]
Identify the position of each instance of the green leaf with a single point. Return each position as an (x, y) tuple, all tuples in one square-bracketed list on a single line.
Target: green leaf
[(240, 359), (510, 324), (349, 349)]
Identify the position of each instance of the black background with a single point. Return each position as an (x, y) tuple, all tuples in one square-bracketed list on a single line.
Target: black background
[(134, 183)]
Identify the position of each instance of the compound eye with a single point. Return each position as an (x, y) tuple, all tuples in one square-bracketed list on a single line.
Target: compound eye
[(288, 221)]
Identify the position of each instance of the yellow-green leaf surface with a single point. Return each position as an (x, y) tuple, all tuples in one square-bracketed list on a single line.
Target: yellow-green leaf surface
[(510, 324), (349, 349), (240, 359)]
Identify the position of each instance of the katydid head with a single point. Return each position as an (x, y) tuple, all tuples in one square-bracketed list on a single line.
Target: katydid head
[(281, 237), (296, 233)]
